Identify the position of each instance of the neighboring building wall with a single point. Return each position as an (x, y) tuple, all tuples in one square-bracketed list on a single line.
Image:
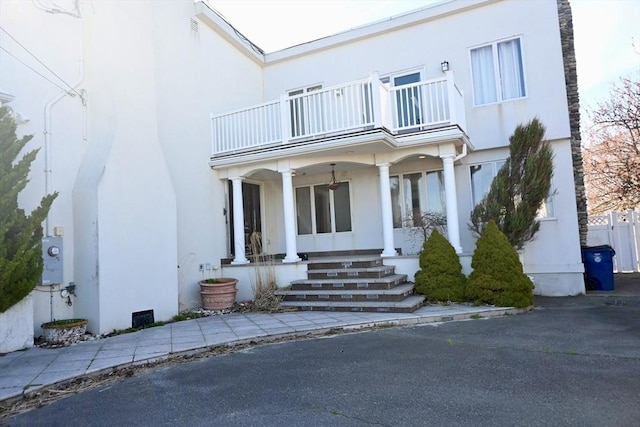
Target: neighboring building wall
[(66, 147), (139, 206)]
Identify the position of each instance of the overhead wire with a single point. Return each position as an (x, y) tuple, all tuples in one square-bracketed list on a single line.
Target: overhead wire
[(38, 59), (54, 8), (33, 69)]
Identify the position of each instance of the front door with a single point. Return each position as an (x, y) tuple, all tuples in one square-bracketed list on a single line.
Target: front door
[(252, 218)]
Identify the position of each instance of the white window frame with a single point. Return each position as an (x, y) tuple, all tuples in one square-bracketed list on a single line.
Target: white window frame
[(332, 209), (546, 211), (424, 200), (496, 69)]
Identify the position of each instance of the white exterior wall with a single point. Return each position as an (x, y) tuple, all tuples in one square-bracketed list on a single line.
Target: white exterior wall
[(196, 75), (378, 47), (449, 38), (139, 205)]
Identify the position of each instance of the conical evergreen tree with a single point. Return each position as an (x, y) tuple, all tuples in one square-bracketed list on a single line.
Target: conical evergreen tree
[(520, 187), (20, 234), (497, 276), (440, 276)]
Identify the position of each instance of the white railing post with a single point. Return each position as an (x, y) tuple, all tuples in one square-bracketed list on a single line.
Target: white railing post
[(453, 99), (376, 101), (285, 126), (213, 136)]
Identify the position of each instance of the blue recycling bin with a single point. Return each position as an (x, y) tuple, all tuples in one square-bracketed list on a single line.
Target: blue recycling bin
[(598, 266)]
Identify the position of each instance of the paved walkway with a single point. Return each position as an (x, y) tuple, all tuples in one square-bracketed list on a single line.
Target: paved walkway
[(23, 372)]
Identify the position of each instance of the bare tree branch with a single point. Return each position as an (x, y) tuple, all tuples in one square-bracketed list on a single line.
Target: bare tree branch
[(611, 158)]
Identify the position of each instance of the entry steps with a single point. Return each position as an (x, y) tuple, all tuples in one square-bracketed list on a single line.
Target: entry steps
[(360, 284)]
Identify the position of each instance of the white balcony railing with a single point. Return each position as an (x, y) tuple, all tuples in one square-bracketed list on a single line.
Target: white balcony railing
[(353, 106)]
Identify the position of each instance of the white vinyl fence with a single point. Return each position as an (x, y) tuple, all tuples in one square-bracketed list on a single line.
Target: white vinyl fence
[(620, 230)]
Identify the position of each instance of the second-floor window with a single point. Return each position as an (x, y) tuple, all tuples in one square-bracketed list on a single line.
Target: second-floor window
[(498, 72)]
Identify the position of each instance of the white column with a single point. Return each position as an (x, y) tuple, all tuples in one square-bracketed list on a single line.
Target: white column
[(453, 226), (238, 222), (387, 215), (289, 218)]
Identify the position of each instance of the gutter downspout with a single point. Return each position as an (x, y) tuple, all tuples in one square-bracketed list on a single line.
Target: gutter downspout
[(461, 155), (47, 130)]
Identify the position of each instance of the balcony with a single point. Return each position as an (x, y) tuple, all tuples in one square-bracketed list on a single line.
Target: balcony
[(339, 110)]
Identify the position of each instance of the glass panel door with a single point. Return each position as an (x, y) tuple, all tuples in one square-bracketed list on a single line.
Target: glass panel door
[(252, 216), (408, 101)]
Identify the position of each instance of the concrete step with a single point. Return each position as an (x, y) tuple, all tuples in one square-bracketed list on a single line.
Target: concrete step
[(408, 305), (337, 263), (394, 294), (351, 273), (361, 283)]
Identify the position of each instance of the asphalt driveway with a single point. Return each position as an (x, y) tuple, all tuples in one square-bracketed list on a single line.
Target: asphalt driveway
[(571, 361)]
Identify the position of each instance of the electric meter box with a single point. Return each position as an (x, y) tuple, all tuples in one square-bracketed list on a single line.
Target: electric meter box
[(52, 256)]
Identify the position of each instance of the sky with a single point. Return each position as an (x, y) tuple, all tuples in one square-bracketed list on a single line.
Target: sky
[(604, 30)]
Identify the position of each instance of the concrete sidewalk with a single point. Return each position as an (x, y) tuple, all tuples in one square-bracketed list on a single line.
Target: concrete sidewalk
[(23, 372)]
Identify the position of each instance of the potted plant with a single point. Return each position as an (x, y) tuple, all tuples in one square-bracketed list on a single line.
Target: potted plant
[(218, 294), (66, 331)]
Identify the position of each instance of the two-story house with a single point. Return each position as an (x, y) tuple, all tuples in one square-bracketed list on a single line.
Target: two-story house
[(171, 138)]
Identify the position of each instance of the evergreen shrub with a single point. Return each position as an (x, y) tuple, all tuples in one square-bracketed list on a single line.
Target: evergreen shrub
[(440, 276), (20, 234), (497, 276)]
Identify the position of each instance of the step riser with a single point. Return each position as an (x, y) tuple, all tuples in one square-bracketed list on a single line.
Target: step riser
[(342, 265), (342, 274), (343, 298), (346, 287), (363, 309), (303, 285)]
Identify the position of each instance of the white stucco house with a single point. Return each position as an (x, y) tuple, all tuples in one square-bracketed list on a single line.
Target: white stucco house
[(170, 137)]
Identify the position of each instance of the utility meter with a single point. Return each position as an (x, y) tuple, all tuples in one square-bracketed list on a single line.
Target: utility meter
[(52, 257)]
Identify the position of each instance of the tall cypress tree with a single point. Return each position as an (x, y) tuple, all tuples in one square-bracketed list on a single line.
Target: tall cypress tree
[(20, 234), (520, 187)]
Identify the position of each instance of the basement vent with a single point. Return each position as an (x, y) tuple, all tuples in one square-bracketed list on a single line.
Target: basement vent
[(194, 25), (140, 319)]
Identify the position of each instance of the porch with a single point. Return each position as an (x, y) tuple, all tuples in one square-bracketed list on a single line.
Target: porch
[(365, 129)]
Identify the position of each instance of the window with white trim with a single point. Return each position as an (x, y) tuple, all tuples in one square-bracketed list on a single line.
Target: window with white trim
[(481, 177), (413, 194), (498, 72), (320, 210)]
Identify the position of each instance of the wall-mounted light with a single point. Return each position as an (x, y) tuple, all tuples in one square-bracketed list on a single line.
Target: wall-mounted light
[(444, 65)]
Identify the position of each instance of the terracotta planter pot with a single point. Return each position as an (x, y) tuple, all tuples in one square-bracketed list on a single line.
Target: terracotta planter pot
[(64, 331), (218, 294)]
